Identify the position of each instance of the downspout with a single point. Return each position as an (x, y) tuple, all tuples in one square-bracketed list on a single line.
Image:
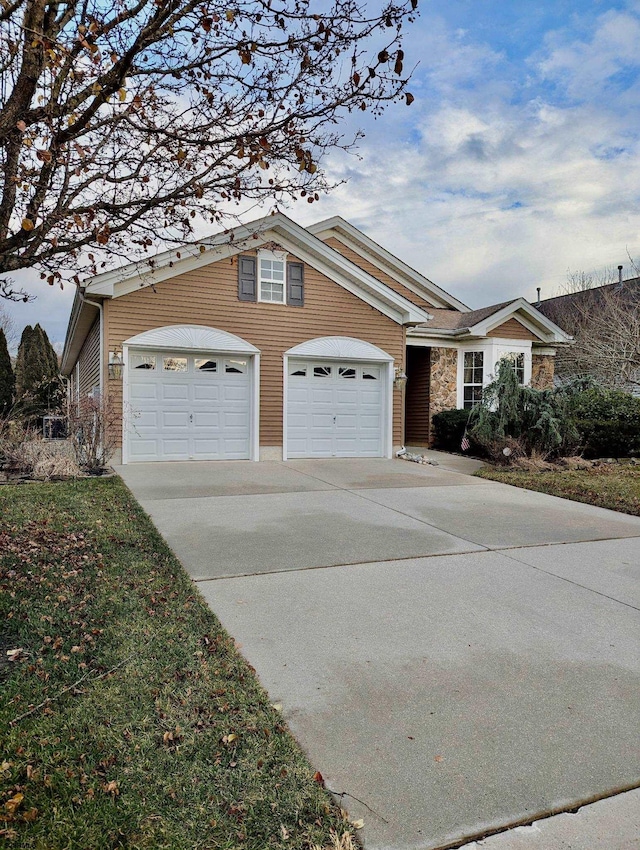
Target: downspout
[(97, 304)]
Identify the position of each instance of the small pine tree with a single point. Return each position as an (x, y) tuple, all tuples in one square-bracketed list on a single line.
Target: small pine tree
[(7, 378), (38, 385)]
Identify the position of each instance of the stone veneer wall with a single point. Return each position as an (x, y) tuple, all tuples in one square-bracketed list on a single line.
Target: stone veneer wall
[(542, 368), (443, 391)]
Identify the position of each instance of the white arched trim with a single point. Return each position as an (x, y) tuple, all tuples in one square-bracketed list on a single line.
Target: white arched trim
[(339, 348), (192, 337)]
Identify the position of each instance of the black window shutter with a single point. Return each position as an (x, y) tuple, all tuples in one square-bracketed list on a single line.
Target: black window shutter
[(247, 290), (295, 284)]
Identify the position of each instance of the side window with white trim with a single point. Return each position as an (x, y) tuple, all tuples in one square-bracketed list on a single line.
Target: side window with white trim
[(472, 380)]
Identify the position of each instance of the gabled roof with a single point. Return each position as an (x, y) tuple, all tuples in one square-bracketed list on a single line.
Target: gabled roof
[(273, 228), (379, 256), (478, 323), (290, 235)]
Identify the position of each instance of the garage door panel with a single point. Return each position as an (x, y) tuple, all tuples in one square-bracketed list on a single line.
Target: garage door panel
[(189, 414), (146, 419), (234, 420), (349, 396), (172, 419), (335, 410), (174, 392), (174, 447), (208, 446), (143, 392), (206, 392), (235, 393), (206, 419)]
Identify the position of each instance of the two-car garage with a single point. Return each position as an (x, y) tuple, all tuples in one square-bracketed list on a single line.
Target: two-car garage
[(192, 393)]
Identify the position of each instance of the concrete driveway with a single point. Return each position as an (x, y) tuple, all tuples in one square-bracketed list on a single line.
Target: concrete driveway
[(455, 655)]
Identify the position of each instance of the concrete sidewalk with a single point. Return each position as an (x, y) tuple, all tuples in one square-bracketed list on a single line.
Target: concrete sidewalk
[(458, 654)]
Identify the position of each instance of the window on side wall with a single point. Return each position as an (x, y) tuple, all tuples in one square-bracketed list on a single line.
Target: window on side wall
[(271, 276), (473, 378), (516, 358)]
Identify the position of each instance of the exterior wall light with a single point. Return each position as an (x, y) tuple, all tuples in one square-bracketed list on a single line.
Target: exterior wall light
[(115, 364), (400, 379)]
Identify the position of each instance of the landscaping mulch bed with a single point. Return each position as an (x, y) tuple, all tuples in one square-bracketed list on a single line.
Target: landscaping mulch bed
[(129, 718), (609, 485)]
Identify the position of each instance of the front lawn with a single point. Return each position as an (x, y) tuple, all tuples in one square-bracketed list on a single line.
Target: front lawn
[(129, 719), (615, 486)]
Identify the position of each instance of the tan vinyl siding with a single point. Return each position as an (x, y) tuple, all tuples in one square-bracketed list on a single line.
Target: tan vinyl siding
[(512, 330), (417, 415), (373, 270), (89, 361), (209, 296)]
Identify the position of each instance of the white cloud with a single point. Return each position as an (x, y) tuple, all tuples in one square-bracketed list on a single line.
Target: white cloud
[(584, 67)]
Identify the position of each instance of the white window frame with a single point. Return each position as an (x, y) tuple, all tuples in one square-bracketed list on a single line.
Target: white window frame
[(272, 256), (494, 350), (481, 384)]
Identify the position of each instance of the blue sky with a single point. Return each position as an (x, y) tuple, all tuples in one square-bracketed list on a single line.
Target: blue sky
[(517, 162)]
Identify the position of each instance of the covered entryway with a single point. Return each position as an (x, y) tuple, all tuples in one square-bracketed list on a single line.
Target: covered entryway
[(338, 399), (190, 394)]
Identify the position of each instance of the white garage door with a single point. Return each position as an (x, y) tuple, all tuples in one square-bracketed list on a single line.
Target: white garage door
[(335, 409), (188, 406)]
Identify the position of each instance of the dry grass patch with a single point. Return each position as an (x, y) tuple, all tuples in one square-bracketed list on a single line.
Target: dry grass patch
[(615, 486)]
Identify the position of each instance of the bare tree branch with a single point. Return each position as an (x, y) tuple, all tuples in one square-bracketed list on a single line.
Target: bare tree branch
[(125, 123)]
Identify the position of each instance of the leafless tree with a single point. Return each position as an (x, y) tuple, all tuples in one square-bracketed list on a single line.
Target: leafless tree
[(605, 323), (8, 325), (580, 281), (123, 123)]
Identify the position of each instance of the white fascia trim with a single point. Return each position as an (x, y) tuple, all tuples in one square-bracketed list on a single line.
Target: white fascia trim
[(167, 264), (544, 350), (337, 268), (278, 228), (388, 436), (370, 250), (285, 404), (254, 452), (532, 320)]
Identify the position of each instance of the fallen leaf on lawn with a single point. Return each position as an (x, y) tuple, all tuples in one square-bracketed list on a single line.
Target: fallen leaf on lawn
[(284, 832), (319, 778), (231, 738), (357, 824), (277, 706), (30, 816), (12, 804), (6, 765), (9, 834), (111, 788), (14, 654)]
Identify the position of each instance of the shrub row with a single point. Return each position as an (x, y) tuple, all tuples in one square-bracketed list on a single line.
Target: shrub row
[(607, 423)]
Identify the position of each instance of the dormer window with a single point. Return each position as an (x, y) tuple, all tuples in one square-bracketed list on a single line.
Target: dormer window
[(271, 276)]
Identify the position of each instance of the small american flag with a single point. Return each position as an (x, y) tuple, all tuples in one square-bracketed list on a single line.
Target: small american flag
[(465, 445)]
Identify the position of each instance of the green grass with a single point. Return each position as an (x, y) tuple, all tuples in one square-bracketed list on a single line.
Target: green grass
[(167, 740), (615, 486)]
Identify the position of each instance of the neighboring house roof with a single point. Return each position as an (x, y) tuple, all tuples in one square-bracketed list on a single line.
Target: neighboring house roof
[(478, 323), (287, 233), (369, 250), (562, 306)]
